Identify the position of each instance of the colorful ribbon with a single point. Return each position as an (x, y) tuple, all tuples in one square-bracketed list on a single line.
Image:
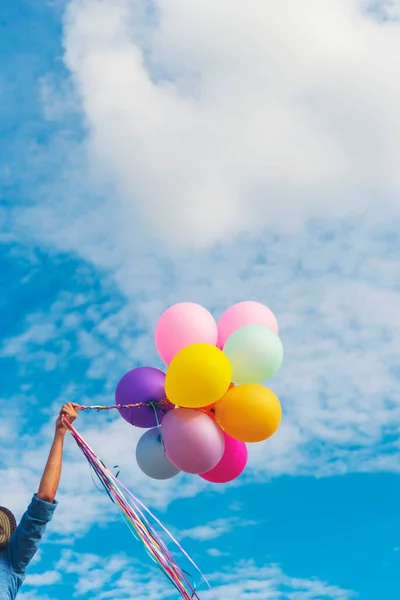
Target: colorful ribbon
[(134, 513), (99, 407)]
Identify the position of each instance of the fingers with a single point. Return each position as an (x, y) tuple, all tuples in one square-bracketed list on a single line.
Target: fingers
[(68, 412), (70, 408)]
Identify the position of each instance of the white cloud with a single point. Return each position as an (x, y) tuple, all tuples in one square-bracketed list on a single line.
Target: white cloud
[(251, 582), (216, 553), (41, 579), (33, 595), (228, 120), (114, 577), (244, 580), (214, 529)]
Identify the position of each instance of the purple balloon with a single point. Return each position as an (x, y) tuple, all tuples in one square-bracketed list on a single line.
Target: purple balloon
[(143, 384)]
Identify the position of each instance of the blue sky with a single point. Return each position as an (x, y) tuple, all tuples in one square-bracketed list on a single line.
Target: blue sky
[(148, 158)]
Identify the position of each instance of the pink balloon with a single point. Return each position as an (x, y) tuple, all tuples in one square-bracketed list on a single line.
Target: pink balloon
[(194, 443), (242, 314), (182, 325), (231, 465)]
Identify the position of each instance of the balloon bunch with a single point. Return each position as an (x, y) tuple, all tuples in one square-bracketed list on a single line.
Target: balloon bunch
[(211, 401)]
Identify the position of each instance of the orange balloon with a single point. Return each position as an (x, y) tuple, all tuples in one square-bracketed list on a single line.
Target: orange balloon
[(249, 412)]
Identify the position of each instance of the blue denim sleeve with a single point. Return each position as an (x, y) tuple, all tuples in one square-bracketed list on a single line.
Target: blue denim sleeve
[(24, 542)]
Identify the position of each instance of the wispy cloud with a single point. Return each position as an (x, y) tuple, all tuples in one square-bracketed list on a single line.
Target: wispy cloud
[(214, 529), (117, 576), (216, 552), (251, 582), (42, 579)]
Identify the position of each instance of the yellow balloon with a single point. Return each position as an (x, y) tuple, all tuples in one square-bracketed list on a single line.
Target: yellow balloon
[(197, 376), (249, 412)]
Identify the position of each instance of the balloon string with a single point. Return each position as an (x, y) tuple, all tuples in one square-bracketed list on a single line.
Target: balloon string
[(154, 407), (133, 513), (169, 535), (99, 407)]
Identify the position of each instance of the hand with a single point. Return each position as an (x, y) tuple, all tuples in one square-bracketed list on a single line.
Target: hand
[(69, 412)]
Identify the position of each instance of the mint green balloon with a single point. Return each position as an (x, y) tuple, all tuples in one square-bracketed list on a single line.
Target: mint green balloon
[(255, 353)]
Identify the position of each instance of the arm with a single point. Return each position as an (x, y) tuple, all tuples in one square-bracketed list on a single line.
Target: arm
[(51, 475), (25, 541)]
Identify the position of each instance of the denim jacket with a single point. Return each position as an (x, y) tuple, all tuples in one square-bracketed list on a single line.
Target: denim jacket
[(23, 544)]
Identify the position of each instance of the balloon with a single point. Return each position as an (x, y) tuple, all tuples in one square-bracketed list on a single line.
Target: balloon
[(193, 442), (182, 325), (255, 353), (151, 457), (231, 465), (245, 313), (198, 376), (249, 412), (143, 384)]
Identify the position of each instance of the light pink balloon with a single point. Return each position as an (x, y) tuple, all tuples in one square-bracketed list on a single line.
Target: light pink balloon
[(231, 465), (242, 314), (180, 326), (194, 443)]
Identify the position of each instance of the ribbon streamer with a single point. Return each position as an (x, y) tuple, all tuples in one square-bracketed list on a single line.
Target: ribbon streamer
[(134, 513), (99, 407)]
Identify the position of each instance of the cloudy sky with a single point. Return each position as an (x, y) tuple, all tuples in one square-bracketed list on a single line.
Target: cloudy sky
[(211, 151)]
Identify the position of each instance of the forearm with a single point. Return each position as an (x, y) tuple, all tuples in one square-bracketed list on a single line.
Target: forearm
[(51, 476)]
